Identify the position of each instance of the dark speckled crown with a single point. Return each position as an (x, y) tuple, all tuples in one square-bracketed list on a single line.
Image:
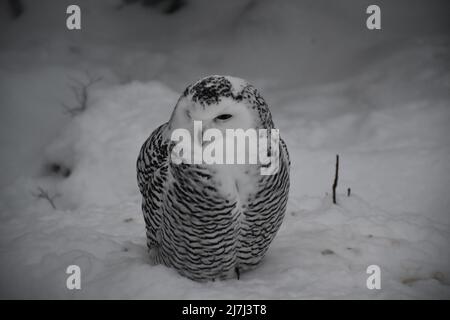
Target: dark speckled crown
[(211, 89)]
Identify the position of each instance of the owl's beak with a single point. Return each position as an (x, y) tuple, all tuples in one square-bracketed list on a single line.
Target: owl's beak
[(203, 142), (200, 137), (200, 140)]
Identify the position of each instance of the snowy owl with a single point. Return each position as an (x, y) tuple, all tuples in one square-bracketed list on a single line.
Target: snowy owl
[(211, 221)]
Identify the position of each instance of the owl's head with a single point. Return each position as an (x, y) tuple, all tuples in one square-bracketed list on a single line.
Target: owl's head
[(221, 102)]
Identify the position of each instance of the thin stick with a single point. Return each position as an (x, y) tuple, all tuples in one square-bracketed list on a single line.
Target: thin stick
[(336, 175)]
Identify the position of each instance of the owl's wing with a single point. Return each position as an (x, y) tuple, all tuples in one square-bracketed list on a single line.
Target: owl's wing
[(285, 152), (265, 212), (152, 164), (152, 156)]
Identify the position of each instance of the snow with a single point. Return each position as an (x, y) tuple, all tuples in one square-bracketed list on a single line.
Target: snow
[(379, 100)]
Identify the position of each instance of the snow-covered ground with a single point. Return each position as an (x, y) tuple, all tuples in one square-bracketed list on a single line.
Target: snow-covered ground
[(379, 99)]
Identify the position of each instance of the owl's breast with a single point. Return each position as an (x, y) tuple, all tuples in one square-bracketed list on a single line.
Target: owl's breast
[(202, 226)]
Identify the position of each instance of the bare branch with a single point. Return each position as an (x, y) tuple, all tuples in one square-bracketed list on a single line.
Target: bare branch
[(43, 194), (80, 90)]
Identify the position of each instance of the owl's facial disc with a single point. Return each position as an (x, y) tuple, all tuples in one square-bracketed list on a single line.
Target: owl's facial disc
[(227, 114)]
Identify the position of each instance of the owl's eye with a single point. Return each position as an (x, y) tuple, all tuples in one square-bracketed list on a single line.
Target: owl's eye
[(224, 116)]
